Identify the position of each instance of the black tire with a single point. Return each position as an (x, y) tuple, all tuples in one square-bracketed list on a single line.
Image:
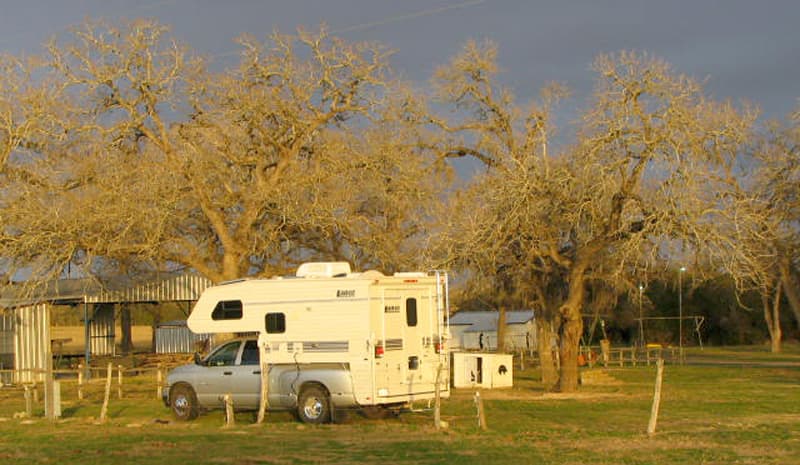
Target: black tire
[(183, 402), (314, 405)]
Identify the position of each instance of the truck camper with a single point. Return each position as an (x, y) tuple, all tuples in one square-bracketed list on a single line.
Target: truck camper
[(328, 337)]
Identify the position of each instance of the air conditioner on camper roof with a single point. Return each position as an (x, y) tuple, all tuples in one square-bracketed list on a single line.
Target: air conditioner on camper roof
[(323, 269)]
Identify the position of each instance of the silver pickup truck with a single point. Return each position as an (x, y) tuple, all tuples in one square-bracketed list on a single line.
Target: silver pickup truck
[(313, 390)]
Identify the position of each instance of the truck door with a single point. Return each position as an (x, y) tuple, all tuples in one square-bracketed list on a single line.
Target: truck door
[(215, 380), (245, 379)]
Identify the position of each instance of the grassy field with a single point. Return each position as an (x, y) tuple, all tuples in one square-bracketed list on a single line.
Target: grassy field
[(745, 413)]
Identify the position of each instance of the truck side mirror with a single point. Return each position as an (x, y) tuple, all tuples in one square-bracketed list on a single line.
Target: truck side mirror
[(197, 359)]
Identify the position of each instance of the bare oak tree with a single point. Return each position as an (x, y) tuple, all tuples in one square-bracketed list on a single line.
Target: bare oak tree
[(298, 153), (641, 178), (762, 225)]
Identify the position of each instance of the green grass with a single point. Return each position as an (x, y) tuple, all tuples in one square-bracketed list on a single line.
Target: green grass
[(709, 415)]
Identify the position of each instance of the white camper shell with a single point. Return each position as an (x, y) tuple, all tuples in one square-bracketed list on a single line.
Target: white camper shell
[(386, 334)]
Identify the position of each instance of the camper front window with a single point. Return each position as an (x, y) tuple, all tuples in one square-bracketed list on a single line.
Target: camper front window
[(227, 310)]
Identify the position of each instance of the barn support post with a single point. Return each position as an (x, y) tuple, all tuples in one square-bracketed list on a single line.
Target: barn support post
[(87, 337), (126, 344)]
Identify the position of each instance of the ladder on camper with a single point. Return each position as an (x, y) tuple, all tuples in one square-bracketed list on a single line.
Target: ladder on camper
[(442, 306)]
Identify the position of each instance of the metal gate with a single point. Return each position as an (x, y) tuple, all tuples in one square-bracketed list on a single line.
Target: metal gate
[(31, 342), (101, 330), (6, 346)]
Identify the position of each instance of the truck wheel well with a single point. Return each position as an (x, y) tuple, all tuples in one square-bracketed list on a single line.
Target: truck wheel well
[(318, 384), (181, 383)]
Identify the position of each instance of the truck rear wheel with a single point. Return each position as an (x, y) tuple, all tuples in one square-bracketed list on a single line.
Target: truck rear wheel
[(314, 405)]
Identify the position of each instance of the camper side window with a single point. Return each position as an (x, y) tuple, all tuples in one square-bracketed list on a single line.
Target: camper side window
[(411, 312), (275, 323), (227, 310)]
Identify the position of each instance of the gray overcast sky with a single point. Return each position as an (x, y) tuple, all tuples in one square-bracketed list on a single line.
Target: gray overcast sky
[(748, 49)]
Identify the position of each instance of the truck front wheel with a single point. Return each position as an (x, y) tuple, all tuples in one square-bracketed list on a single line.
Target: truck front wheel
[(314, 405), (183, 402)]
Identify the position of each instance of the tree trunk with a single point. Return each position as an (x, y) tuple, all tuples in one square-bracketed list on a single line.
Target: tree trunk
[(571, 329), (772, 318), (791, 288), (501, 330), (544, 341)]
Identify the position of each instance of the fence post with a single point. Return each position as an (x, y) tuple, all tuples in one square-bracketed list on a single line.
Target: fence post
[(481, 414), (230, 420), (28, 401), (651, 426), (263, 403), (80, 381), (437, 408), (49, 389), (159, 382), (104, 410), (119, 381)]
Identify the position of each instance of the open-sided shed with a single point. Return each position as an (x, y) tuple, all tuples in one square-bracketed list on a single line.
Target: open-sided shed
[(25, 340)]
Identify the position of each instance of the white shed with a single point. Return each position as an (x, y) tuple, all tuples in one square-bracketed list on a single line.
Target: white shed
[(477, 330)]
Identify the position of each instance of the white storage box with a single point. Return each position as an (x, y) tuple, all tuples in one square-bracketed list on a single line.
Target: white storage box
[(482, 370)]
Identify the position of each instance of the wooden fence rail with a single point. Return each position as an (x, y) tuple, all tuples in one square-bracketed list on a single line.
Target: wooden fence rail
[(614, 356), (141, 382), (633, 356)]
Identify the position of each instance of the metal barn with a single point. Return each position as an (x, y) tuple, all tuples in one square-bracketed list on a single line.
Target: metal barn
[(25, 343)]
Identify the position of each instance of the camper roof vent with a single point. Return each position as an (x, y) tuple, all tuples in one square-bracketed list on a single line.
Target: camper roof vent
[(323, 269)]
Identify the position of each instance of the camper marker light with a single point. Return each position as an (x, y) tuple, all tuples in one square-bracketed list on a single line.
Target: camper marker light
[(379, 351), (410, 280)]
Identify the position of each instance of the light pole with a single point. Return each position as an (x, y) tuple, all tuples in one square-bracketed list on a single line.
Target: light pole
[(641, 324), (680, 312)]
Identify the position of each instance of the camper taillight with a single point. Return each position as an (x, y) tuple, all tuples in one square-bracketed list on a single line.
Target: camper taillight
[(439, 346), (379, 351)]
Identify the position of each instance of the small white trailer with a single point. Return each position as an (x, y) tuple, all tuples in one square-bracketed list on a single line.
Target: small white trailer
[(331, 338)]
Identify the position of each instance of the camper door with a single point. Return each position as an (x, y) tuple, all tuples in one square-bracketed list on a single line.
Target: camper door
[(406, 335)]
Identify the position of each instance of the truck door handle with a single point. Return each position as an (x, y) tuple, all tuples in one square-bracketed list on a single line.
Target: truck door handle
[(227, 373), (257, 372)]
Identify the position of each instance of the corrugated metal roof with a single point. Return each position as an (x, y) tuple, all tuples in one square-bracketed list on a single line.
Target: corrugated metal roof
[(176, 288), (172, 288), (486, 321)]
